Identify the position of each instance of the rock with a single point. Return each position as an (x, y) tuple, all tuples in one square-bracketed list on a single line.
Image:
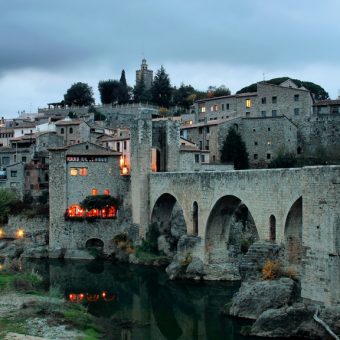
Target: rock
[(222, 271), (57, 253), (14, 250), (195, 269), (177, 225), (173, 269), (164, 246), (296, 321), (3, 244), (254, 298), (40, 252), (253, 261)]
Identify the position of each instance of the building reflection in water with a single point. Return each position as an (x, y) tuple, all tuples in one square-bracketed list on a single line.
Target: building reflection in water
[(137, 302)]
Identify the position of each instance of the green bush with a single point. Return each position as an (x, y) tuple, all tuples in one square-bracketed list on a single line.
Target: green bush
[(150, 243), (283, 160)]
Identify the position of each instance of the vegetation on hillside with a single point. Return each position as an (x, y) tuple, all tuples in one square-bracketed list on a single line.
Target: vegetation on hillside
[(317, 90)]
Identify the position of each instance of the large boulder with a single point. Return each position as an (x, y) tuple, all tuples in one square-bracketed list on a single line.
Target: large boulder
[(254, 298), (296, 321), (195, 269), (173, 269)]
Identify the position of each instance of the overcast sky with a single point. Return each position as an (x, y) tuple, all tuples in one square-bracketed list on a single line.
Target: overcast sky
[(46, 46)]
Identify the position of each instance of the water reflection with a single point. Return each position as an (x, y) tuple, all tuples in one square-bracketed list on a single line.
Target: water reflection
[(138, 302)]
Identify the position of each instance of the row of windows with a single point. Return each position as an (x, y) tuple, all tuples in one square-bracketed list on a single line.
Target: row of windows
[(118, 144), (62, 130), (256, 156), (248, 104), (79, 171), (6, 135), (269, 142)]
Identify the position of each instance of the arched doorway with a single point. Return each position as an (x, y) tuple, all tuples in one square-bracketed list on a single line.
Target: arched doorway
[(195, 218), (293, 233), (167, 216), (272, 228), (230, 230), (95, 247)]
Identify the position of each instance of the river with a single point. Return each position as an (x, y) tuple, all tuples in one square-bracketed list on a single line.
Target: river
[(138, 302)]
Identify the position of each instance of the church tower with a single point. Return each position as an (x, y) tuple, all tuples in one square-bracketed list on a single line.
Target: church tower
[(146, 74)]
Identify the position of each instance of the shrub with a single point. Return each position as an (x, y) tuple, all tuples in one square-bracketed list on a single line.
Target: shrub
[(291, 273), (283, 160), (271, 270), (150, 243)]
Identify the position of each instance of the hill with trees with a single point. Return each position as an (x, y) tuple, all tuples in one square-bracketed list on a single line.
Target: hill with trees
[(317, 90)]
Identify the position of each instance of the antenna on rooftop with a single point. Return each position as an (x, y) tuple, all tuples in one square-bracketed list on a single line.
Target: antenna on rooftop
[(264, 76), (338, 93)]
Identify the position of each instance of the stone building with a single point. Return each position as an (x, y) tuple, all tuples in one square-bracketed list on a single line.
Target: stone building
[(80, 171), (145, 74), (73, 131), (264, 137)]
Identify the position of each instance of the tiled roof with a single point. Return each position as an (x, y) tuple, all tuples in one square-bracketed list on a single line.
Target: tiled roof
[(327, 102)]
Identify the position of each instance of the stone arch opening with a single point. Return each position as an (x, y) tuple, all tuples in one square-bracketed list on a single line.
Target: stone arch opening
[(293, 233), (95, 243), (168, 218), (230, 230), (272, 228), (299, 150), (195, 218)]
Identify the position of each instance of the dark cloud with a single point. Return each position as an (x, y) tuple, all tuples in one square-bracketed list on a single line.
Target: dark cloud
[(70, 36)]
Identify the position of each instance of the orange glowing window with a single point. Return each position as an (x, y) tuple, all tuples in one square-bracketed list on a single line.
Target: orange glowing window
[(94, 192), (75, 211), (106, 192), (73, 171), (93, 213), (83, 171)]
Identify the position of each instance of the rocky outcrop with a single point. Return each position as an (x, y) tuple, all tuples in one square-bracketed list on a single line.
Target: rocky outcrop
[(253, 261), (254, 298), (297, 321)]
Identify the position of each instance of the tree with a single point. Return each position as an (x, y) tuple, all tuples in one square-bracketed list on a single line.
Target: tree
[(79, 94), (318, 92), (184, 95), (124, 96), (221, 91), (140, 93), (109, 91), (7, 198), (161, 90), (234, 150), (283, 160)]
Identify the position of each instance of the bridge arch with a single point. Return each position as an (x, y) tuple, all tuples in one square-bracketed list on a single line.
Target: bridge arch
[(293, 233), (167, 215), (95, 243), (229, 231)]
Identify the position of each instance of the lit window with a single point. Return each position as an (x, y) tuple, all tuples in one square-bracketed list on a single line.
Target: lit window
[(203, 109), (94, 192), (106, 192), (74, 172), (216, 108), (75, 211), (269, 142), (212, 108), (248, 103), (83, 171)]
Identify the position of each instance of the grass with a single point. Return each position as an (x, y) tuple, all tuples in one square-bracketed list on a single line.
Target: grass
[(11, 325)]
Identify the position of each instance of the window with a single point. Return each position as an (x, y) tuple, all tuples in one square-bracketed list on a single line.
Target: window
[(83, 171), (118, 146), (14, 158), (70, 130), (14, 173), (62, 131), (269, 142), (106, 192), (255, 143), (203, 109), (247, 114), (74, 172), (274, 113), (5, 160), (296, 111), (214, 158), (202, 158), (207, 145), (274, 100), (255, 156), (263, 113), (296, 98), (216, 108), (212, 108), (94, 192), (207, 129), (268, 155), (254, 130), (268, 129), (248, 103), (263, 100), (200, 130), (125, 145), (197, 158), (201, 145), (222, 107), (24, 159), (227, 106)]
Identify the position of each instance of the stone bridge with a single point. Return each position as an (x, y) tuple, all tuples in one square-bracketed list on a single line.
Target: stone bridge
[(296, 207)]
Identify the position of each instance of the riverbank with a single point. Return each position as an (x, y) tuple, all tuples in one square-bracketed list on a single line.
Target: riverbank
[(26, 309)]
